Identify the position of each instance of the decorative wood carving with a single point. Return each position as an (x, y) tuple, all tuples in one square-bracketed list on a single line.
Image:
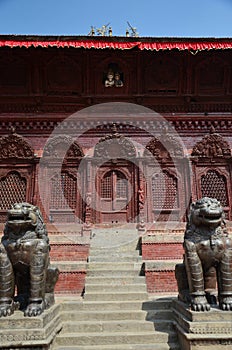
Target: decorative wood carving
[(56, 146), (114, 146), (211, 146), (15, 147), (182, 123), (164, 149), (29, 105)]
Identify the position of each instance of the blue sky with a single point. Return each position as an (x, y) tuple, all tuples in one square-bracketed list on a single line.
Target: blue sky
[(178, 18)]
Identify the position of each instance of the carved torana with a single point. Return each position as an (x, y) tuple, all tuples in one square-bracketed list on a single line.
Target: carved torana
[(165, 148), (114, 146), (212, 145), (14, 146), (56, 146)]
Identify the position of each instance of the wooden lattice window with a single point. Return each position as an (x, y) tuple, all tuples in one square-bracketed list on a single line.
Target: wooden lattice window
[(12, 190), (164, 191), (63, 192), (214, 185), (121, 186), (106, 186)]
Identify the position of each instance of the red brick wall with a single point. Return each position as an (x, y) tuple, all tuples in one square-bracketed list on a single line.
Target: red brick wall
[(69, 252), (161, 277), (160, 251), (160, 281), (70, 282), (73, 271)]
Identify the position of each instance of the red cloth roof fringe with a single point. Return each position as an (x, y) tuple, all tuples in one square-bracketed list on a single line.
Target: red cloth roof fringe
[(88, 44)]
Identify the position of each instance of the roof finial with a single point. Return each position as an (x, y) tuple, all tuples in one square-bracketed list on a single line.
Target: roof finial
[(92, 31), (103, 30), (134, 32)]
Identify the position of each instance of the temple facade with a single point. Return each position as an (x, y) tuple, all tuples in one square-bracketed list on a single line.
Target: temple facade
[(111, 130)]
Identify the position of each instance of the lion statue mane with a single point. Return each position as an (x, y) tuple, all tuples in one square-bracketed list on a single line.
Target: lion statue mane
[(24, 263), (207, 258)]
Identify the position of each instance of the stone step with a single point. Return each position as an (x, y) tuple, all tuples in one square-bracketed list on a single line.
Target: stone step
[(114, 239), (115, 280), (114, 252), (114, 265), (152, 346), (107, 326), (102, 306), (104, 272), (121, 252), (108, 338), (158, 304), (113, 258), (103, 315), (155, 315), (161, 318), (116, 288), (118, 251), (115, 296), (164, 325)]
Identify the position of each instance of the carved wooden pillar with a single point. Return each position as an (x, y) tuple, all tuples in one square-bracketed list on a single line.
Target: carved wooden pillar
[(88, 194), (141, 193)]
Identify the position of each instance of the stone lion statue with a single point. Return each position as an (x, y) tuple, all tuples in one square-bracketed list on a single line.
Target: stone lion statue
[(24, 263), (207, 258)]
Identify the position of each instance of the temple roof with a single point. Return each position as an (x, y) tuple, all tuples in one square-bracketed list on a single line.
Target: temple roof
[(116, 42)]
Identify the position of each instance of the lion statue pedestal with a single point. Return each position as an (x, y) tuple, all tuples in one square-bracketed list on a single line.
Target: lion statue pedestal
[(207, 268)]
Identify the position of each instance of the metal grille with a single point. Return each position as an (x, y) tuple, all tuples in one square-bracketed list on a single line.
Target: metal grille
[(12, 190), (63, 192), (164, 191), (214, 185)]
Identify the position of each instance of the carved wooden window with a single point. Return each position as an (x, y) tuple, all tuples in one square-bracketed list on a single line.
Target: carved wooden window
[(12, 190), (214, 185), (63, 192), (164, 191), (114, 191)]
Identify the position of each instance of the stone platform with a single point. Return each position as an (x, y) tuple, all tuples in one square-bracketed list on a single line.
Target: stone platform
[(210, 330), (37, 333)]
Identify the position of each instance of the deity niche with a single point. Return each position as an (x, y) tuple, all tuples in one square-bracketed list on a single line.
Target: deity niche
[(113, 79)]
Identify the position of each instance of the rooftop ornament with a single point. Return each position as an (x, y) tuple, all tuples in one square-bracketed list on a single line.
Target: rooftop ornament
[(105, 30)]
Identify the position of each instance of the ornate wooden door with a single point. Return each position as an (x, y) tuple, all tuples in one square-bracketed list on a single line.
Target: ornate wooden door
[(114, 197)]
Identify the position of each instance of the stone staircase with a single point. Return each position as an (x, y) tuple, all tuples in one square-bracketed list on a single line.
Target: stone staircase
[(116, 313)]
